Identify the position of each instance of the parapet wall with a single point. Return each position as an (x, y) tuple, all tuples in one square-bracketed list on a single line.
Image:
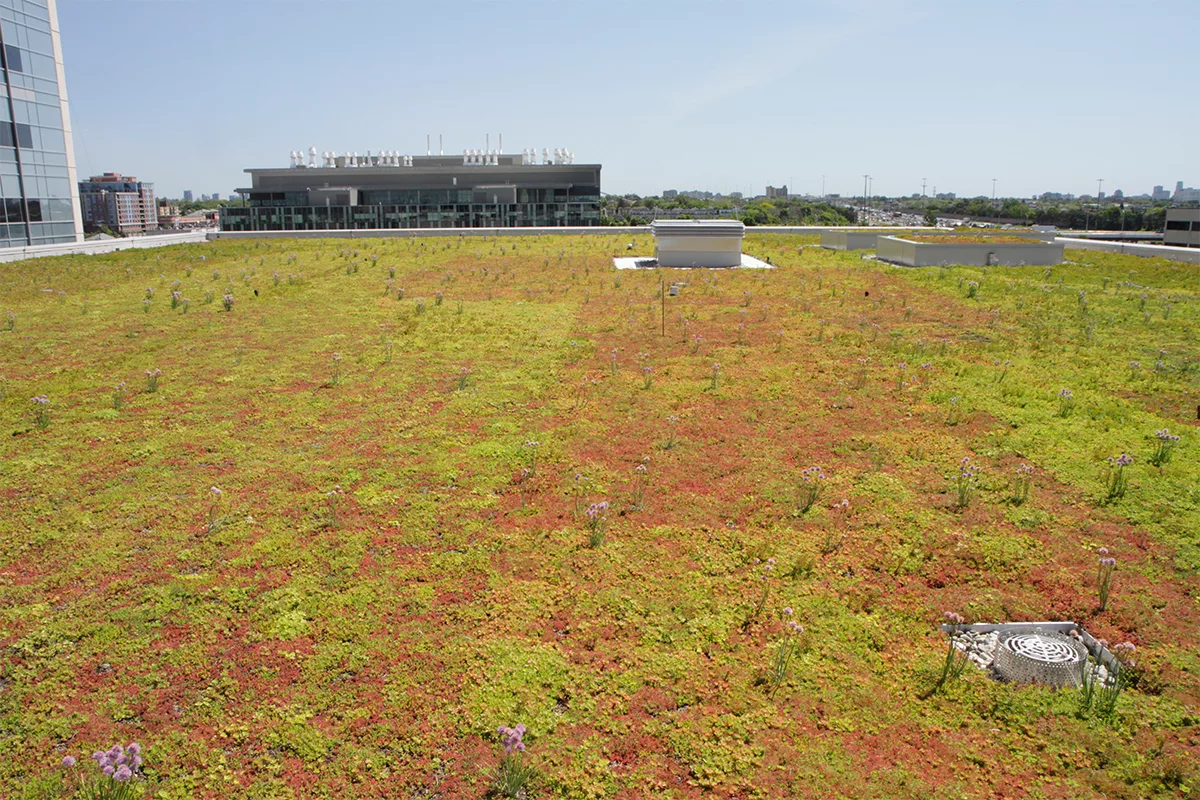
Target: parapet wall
[(928, 254)]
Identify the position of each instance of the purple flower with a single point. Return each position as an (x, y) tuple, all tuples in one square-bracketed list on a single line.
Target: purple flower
[(1066, 394), (108, 769), (122, 774), (953, 618), (512, 738), (1103, 551), (68, 761)]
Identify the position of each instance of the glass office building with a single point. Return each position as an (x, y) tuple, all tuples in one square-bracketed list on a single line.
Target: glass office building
[(390, 191), (37, 165)]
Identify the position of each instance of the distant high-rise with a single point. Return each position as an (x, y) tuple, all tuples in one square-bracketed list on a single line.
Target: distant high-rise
[(1185, 194), (187, 195), (37, 160), (777, 191)]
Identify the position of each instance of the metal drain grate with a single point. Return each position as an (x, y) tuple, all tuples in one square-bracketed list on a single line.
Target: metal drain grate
[(1040, 657)]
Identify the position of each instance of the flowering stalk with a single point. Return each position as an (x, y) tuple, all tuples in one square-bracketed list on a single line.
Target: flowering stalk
[(41, 411), (215, 520), (812, 481), (1066, 403), (463, 375), (332, 500), (953, 412), (227, 301), (513, 777), (672, 430), (532, 448), (596, 519), (956, 660), (964, 483), (337, 369), (1163, 449), (785, 650), (1102, 696), (120, 769), (716, 372), (641, 477), (1021, 484), (765, 577), (647, 371), (1104, 574), (152, 376), (1117, 481)]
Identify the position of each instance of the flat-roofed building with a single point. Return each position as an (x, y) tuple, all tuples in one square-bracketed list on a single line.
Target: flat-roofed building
[(1182, 227), (120, 203), (479, 189)]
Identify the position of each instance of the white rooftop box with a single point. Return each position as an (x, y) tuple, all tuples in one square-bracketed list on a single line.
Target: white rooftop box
[(698, 243)]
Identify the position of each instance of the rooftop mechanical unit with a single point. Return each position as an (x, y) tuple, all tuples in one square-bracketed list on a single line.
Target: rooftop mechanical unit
[(698, 243)]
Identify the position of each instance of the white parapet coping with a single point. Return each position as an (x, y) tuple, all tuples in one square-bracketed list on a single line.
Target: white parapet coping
[(585, 230), (983, 254), (102, 246), (1185, 254)]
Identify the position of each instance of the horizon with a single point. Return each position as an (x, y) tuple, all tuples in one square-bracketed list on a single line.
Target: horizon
[(814, 93)]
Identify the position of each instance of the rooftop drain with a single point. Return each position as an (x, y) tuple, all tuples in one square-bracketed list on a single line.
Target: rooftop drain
[(1034, 652), (1040, 657)]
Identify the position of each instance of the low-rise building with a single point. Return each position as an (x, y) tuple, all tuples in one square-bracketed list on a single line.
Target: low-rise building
[(1182, 227), (479, 189), (121, 203)]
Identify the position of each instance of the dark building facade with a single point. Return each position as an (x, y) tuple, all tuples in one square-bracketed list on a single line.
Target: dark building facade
[(37, 166), (476, 190)]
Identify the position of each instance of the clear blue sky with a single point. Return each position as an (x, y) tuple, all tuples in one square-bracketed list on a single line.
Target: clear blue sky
[(706, 94)]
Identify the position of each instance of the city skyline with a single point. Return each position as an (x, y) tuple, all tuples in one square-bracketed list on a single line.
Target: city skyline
[(798, 94)]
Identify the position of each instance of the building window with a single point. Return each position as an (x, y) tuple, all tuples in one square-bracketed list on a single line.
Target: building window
[(23, 135), (12, 59)]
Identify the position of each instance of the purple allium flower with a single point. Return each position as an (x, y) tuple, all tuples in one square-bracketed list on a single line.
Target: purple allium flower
[(1066, 394), (788, 611), (41, 400), (1024, 469), (953, 618), (512, 738), (1108, 562), (122, 774), (68, 761), (215, 492), (1103, 551), (640, 469), (795, 627), (1166, 436), (108, 769)]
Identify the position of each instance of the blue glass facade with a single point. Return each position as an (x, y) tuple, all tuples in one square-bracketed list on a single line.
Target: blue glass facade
[(39, 201)]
